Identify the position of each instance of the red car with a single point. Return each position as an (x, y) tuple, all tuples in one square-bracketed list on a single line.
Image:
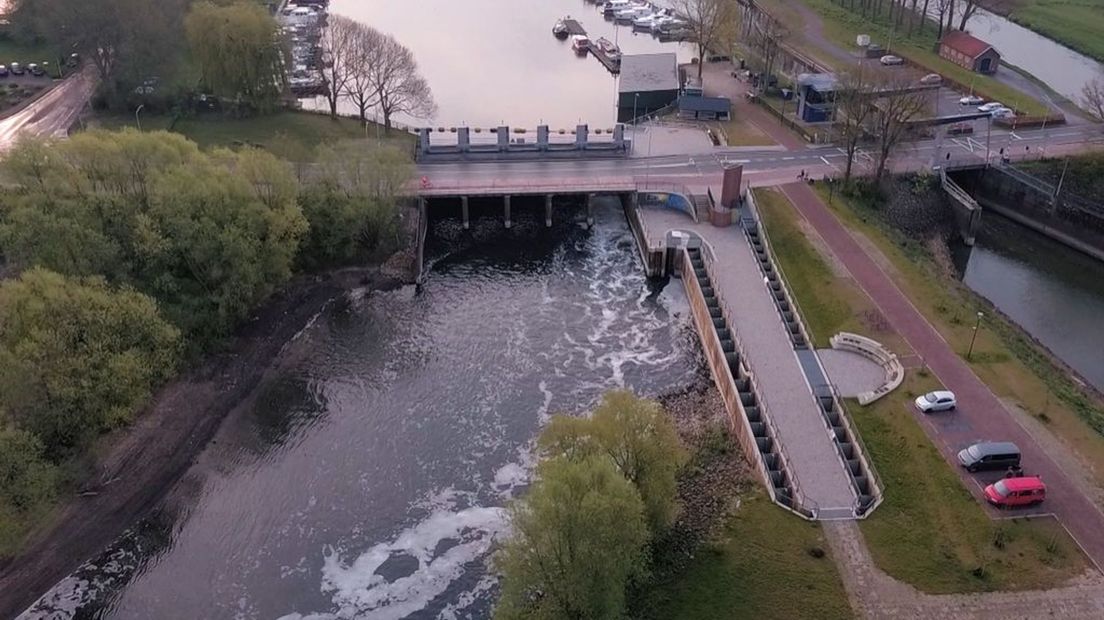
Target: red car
[(1014, 492)]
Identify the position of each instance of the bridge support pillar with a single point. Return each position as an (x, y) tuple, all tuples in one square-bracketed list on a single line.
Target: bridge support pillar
[(506, 209), (464, 212), (590, 210), (548, 211)]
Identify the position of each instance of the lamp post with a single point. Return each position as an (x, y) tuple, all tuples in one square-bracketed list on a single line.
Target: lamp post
[(973, 338), (137, 120)]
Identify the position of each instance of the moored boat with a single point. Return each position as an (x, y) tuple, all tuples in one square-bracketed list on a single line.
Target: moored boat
[(580, 44), (560, 30)]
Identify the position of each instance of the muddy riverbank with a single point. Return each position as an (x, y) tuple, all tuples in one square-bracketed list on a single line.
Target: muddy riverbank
[(136, 467)]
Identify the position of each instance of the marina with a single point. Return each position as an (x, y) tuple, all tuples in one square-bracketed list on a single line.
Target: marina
[(645, 17)]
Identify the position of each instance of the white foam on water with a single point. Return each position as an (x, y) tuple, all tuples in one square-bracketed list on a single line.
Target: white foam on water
[(359, 592)]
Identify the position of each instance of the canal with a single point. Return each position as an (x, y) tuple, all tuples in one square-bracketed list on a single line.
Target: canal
[(369, 477), (492, 62), (1056, 294)]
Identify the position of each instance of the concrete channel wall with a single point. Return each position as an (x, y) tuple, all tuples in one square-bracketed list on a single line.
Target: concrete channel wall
[(748, 418)]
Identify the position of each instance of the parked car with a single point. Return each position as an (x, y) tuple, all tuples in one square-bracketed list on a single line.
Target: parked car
[(932, 79), (16, 69), (990, 455), (989, 107), (1014, 492), (939, 400), (73, 60), (36, 70), (971, 100), (960, 129), (890, 59), (3, 71)]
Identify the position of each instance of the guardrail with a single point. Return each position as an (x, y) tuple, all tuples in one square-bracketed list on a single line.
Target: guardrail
[(802, 505)]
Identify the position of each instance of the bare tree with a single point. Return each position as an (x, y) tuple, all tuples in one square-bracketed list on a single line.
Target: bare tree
[(895, 102), (767, 37), (707, 19), (945, 9), (337, 43), (363, 57), (400, 89), (1092, 96), (853, 109)]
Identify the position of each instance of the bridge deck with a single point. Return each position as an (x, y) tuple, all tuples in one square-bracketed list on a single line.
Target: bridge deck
[(786, 394), (556, 185)]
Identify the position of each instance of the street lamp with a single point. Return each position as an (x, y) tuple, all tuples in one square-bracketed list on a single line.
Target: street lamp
[(973, 338), (137, 120)]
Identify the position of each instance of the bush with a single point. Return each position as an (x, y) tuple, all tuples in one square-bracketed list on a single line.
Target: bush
[(343, 227), (26, 480)]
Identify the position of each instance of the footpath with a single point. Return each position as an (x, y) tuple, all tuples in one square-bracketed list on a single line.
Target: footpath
[(980, 412)]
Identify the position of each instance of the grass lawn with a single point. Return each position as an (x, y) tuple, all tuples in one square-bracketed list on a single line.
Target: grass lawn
[(929, 531), (1004, 358), (1075, 23), (762, 566), (209, 131), (740, 132), (841, 26)]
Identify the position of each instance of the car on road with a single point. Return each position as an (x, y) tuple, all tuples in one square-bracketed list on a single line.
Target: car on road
[(960, 129), (932, 79), (1003, 113), (971, 100), (990, 455), (16, 68), (1014, 492), (989, 107), (890, 60), (939, 400)]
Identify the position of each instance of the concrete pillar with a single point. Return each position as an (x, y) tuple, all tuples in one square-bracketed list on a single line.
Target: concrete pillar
[(506, 209), (590, 210), (542, 137), (548, 211), (463, 140), (503, 134), (464, 212)]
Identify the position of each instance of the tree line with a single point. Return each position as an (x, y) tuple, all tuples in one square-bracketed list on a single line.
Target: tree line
[(128, 253), (605, 492)]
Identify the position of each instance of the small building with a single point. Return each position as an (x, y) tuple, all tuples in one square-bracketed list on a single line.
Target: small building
[(816, 97), (966, 50), (649, 82), (697, 108)]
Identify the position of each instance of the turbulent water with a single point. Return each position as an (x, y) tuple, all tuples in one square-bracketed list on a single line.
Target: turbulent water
[(368, 480)]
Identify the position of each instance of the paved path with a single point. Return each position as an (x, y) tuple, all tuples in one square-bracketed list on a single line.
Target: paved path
[(980, 413), (786, 395), (876, 595), (52, 114)]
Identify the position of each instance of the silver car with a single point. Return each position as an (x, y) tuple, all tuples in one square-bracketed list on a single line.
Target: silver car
[(939, 400)]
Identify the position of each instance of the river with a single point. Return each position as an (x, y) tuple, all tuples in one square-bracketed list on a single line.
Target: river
[(369, 478), (1056, 294), (492, 62)]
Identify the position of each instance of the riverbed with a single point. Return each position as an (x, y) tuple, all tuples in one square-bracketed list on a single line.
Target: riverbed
[(492, 62), (1056, 294), (369, 476)]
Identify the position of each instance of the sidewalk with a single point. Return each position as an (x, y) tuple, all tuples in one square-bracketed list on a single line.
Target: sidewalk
[(980, 412)]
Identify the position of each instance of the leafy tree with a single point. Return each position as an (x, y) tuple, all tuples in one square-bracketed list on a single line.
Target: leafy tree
[(578, 540), (77, 357), (236, 47), (638, 437), (26, 479), (208, 235), (343, 227), (376, 171)]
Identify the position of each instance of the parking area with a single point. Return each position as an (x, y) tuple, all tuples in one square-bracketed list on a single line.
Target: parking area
[(16, 90)]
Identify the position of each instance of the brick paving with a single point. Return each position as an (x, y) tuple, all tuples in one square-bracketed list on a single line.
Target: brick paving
[(980, 413), (787, 397)]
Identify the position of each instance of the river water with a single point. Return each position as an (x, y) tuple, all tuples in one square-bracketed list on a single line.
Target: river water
[(369, 478), (492, 62), (1056, 294)]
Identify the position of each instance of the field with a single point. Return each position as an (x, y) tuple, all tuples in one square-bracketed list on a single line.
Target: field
[(929, 531), (1078, 24)]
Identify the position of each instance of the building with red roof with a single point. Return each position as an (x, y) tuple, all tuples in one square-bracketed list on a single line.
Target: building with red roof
[(966, 50)]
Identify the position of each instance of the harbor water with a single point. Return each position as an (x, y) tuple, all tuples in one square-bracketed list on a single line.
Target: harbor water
[(492, 62), (369, 477), (1055, 293)]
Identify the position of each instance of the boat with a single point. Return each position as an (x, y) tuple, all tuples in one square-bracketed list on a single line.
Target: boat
[(644, 22), (560, 30), (580, 44), (607, 47), (613, 6)]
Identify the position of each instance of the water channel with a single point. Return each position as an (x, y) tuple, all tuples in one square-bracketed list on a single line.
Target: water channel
[(491, 62), (369, 478), (1056, 294)]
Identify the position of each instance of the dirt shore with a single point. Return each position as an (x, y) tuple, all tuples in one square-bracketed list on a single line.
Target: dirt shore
[(138, 467)]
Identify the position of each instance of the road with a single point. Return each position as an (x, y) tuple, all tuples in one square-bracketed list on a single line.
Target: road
[(51, 115)]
